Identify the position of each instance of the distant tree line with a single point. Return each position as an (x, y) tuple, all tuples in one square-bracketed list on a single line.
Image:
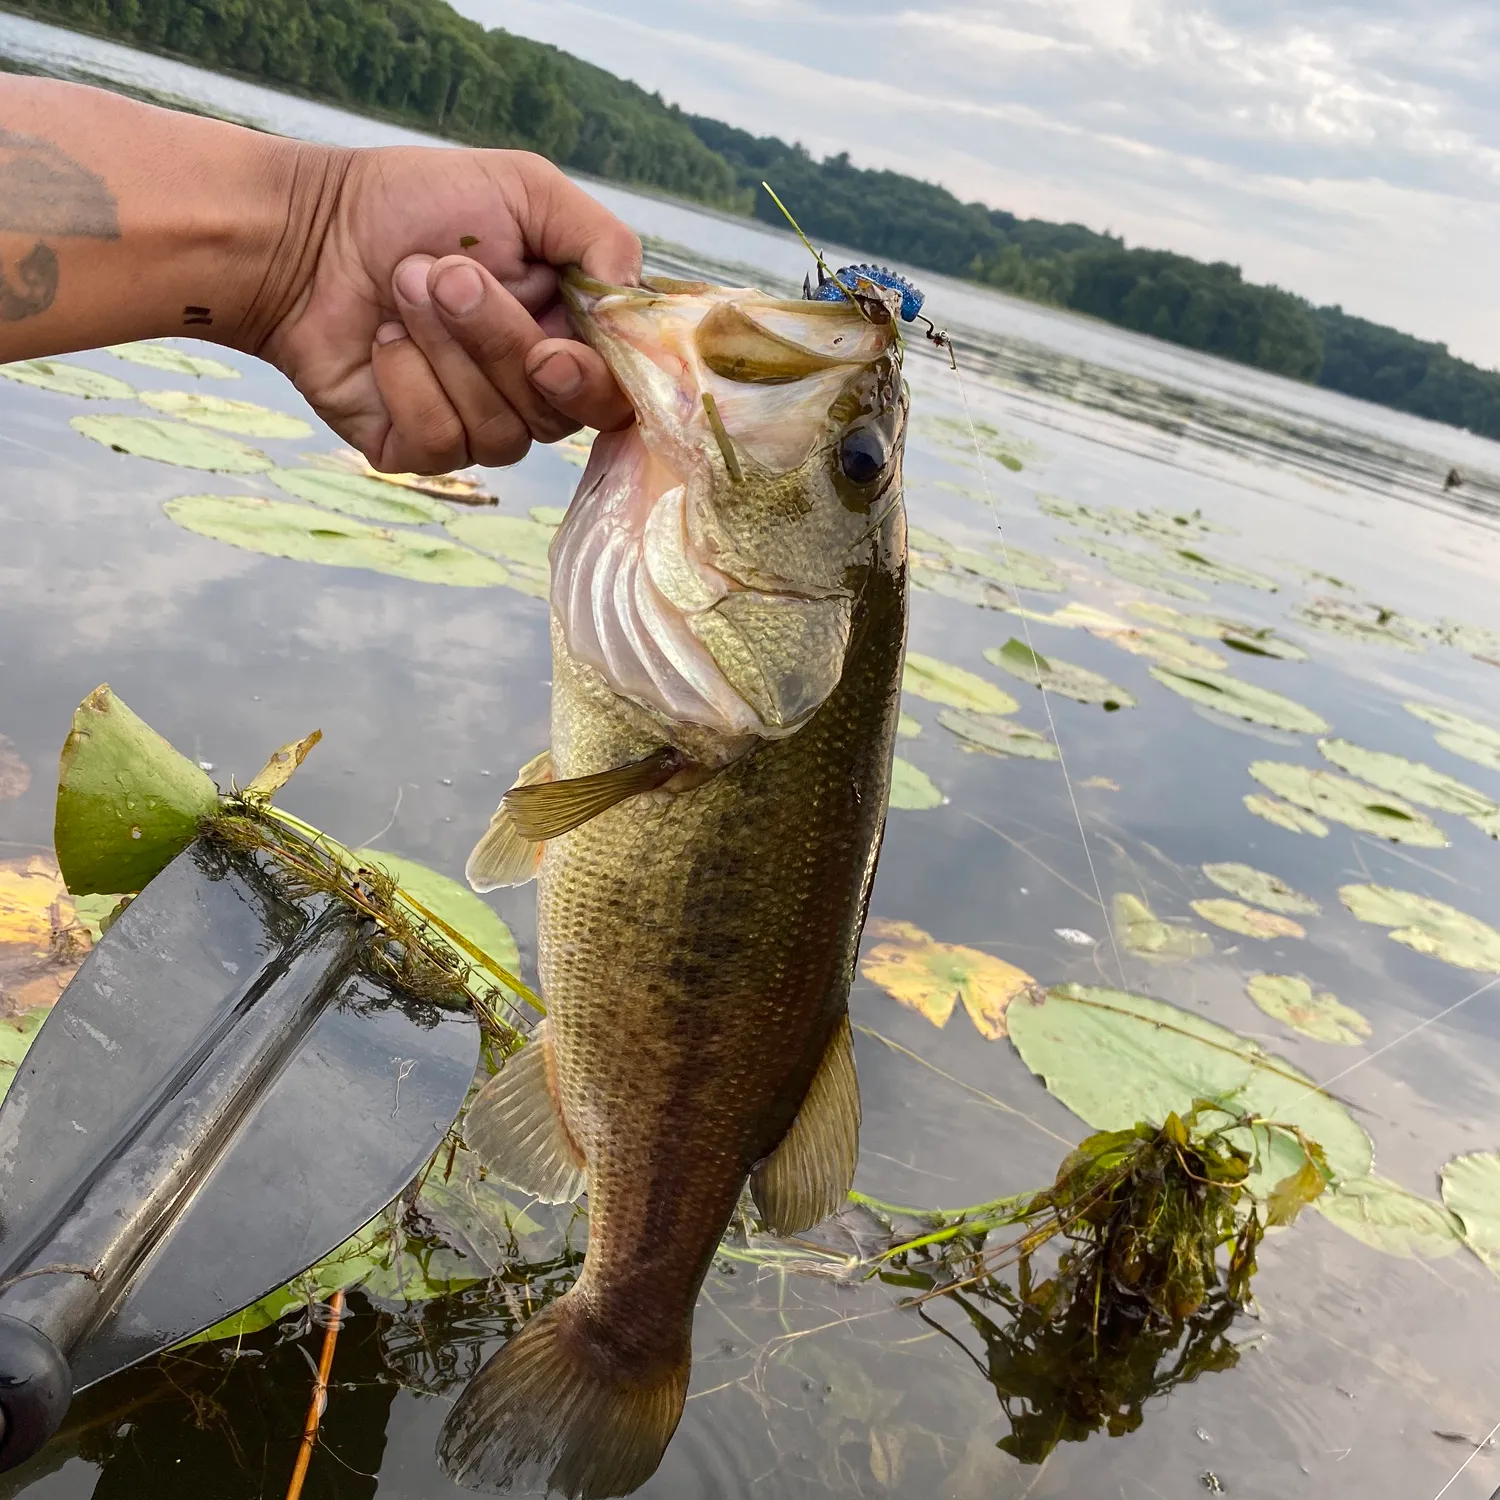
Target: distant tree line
[(421, 63)]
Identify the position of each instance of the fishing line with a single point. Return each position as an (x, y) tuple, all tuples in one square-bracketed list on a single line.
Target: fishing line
[(989, 493), (1465, 1464)]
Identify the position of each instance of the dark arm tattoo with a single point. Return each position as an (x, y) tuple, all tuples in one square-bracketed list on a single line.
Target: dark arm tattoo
[(43, 191)]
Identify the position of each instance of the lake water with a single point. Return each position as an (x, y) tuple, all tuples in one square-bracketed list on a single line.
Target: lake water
[(1359, 1372)]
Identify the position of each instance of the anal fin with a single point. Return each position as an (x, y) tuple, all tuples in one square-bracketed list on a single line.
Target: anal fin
[(516, 1127), (504, 856), (808, 1176), (546, 811)]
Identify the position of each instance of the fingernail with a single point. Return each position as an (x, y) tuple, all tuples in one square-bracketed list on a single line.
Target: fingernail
[(458, 291), (558, 375), (411, 280), (388, 333)]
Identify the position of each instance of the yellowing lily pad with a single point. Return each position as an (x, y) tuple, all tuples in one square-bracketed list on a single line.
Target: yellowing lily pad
[(1321, 1016), (1385, 1216), (243, 417), (1141, 932), (930, 977), (1061, 677), (1427, 925), (356, 495), (178, 361), (68, 380), (1471, 1191), (1260, 888), (1460, 734), (173, 443), (1285, 815), (1241, 700), (941, 682), (465, 487), (280, 529), (996, 736), (1352, 803), (42, 942), (1248, 921), (912, 788)]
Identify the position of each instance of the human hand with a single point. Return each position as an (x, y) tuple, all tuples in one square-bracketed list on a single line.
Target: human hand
[(427, 359)]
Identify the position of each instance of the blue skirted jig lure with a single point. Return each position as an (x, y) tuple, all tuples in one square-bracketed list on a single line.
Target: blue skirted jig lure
[(853, 279)]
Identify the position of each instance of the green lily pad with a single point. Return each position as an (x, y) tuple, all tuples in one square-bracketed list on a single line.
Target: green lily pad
[(516, 539), (1471, 1191), (1248, 921), (912, 788), (127, 802), (355, 495), (1474, 639), (456, 904), (996, 736), (1415, 781), (1196, 565), (1352, 803), (243, 417), (173, 443), (960, 438), (1261, 889), (956, 687), (1061, 677), (278, 528), (1115, 1058), (549, 515), (939, 578), (1239, 699), (1321, 1016), (1141, 932), (1369, 623), (68, 380), (1252, 640), (1385, 1216), (908, 726), (1138, 568), (1284, 815), (178, 361), (1010, 567), (1463, 736), (1427, 925), (16, 1036)]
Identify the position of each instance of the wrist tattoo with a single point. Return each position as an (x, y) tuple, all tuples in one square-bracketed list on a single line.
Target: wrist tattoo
[(43, 191), (194, 315)]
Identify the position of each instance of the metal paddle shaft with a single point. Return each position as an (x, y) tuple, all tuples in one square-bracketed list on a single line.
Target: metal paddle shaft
[(222, 1095)]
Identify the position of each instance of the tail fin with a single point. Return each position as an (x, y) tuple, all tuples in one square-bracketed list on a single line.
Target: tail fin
[(554, 1408)]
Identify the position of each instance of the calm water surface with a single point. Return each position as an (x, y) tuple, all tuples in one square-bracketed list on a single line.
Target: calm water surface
[(1354, 1362)]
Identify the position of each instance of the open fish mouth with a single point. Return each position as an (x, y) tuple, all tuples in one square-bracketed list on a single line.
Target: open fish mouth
[(708, 562)]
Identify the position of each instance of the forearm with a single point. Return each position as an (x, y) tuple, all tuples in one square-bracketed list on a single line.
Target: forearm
[(120, 221)]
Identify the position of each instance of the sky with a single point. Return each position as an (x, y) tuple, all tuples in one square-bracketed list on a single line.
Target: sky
[(1347, 152)]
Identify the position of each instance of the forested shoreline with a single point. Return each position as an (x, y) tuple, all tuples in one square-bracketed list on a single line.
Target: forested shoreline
[(420, 63)]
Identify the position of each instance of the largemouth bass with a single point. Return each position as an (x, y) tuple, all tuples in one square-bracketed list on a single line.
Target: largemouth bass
[(728, 623)]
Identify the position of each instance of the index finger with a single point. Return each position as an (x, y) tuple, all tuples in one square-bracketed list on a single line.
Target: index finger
[(563, 225)]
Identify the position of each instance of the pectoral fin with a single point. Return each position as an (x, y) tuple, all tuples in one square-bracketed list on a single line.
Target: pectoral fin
[(515, 1126), (504, 856), (546, 811), (809, 1174)]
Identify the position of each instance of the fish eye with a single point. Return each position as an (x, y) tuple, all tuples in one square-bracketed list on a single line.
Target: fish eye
[(863, 454)]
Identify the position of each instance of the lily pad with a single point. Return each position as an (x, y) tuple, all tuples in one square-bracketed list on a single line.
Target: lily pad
[(1471, 1191), (1144, 934), (575, 448), (1362, 808), (16, 1036), (516, 539), (996, 736), (466, 487), (1196, 565), (1241, 700), (1460, 734), (1252, 640), (1261, 889), (1137, 568), (930, 977), (1385, 1216), (279, 529), (912, 788), (908, 726), (1248, 921), (127, 802), (938, 578), (178, 361), (1115, 1058), (456, 904), (1474, 639), (1408, 778), (1369, 623), (173, 443), (956, 687), (549, 515), (1321, 1016), (355, 495), (243, 417), (1285, 815), (1427, 925), (68, 380), (1160, 645), (1061, 677)]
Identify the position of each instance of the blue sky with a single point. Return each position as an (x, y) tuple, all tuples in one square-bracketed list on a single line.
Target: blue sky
[(1349, 152)]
